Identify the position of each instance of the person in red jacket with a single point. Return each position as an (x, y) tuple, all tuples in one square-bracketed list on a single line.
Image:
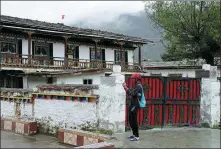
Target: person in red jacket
[(135, 95)]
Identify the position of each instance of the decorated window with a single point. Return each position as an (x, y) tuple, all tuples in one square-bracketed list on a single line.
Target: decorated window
[(74, 51), (92, 54), (41, 50), (7, 47), (8, 83), (117, 55), (2, 82)]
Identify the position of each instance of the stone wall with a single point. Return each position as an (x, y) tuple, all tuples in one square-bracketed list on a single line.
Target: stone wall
[(8, 109), (53, 114), (68, 106), (210, 97)]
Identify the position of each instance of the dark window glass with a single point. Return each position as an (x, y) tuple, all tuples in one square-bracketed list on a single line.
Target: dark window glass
[(87, 81), (117, 56), (99, 54), (8, 47), (41, 51), (2, 82), (50, 80)]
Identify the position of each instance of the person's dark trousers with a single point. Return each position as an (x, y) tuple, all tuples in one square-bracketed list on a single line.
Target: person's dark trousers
[(133, 121)]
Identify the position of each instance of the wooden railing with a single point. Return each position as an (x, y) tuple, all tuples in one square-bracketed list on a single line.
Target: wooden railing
[(21, 61)]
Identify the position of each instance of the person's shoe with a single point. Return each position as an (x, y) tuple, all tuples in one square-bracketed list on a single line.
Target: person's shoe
[(134, 139), (131, 137)]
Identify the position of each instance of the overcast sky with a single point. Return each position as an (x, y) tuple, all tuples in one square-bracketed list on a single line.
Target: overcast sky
[(92, 11)]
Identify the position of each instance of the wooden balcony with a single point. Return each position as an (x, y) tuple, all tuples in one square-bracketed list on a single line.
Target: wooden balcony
[(21, 61)]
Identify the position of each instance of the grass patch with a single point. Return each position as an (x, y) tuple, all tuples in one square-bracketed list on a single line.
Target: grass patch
[(216, 127), (98, 130), (205, 125)]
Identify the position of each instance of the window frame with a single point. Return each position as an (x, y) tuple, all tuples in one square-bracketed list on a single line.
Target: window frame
[(99, 51), (8, 43), (117, 53), (2, 82), (87, 81), (52, 80), (72, 49), (41, 45)]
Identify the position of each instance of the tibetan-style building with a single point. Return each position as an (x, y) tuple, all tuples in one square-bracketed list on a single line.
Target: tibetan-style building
[(36, 53)]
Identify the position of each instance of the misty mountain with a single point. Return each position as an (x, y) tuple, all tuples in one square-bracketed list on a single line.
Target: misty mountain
[(138, 25)]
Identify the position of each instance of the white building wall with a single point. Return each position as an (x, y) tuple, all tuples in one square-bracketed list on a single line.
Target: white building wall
[(84, 53), (165, 72), (130, 56), (58, 51), (25, 48), (35, 81), (109, 55), (79, 79)]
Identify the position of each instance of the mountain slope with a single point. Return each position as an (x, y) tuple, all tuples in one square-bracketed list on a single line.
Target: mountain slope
[(134, 25)]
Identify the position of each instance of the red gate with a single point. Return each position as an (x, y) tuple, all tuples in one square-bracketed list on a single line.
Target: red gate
[(170, 101)]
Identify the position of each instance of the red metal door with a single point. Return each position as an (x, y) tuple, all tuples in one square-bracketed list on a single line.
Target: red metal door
[(170, 101)]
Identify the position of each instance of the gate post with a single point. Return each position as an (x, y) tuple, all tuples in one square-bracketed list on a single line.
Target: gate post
[(111, 105), (210, 100)]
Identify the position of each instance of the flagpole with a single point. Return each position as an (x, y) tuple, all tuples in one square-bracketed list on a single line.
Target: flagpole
[(62, 18)]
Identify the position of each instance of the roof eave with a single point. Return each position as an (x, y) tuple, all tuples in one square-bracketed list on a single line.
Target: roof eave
[(141, 41)]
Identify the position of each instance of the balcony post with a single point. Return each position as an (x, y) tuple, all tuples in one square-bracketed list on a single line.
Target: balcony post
[(122, 56), (95, 47), (0, 49), (66, 50), (29, 47), (139, 55)]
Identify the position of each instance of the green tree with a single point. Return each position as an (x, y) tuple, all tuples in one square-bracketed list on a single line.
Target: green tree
[(191, 28)]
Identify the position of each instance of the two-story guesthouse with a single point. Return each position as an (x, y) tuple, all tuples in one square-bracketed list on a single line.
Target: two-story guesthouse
[(36, 53)]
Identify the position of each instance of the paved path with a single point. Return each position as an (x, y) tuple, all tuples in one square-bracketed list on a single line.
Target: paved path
[(172, 138), (13, 140), (155, 138)]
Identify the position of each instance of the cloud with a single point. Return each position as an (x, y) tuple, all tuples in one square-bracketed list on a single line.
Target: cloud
[(74, 11)]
